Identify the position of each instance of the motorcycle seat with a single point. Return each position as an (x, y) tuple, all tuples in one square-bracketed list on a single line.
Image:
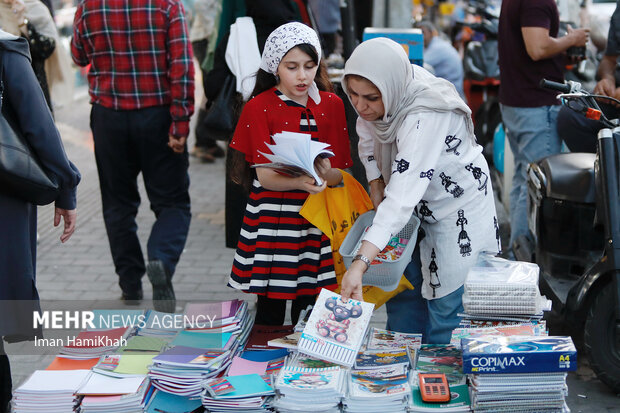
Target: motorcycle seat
[(569, 176)]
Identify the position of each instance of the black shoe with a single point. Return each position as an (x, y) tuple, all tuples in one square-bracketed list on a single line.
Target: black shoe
[(163, 294), (132, 298)]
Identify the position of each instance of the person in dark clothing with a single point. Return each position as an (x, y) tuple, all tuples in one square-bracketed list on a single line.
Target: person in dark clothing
[(142, 90), (18, 218), (529, 50), (578, 132), (267, 15)]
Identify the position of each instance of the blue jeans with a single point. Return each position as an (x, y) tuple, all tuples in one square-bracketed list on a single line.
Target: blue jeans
[(409, 312), (532, 135), (127, 143)]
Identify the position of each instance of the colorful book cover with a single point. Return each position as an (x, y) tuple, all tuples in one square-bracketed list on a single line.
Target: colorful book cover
[(218, 387), (386, 339), (308, 362), (373, 359), (335, 329), (518, 354), (211, 341), (368, 386), (162, 402), (61, 363), (442, 358), (247, 385), (309, 379), (522, 329), (391, 373)]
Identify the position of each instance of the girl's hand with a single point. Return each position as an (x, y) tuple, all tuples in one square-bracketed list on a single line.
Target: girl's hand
[(351, 286), (308, 184)]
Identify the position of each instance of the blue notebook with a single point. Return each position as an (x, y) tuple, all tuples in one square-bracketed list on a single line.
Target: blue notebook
[(211, 341), (163, 402)]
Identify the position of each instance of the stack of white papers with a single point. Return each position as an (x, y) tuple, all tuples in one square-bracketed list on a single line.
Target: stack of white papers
[(104, 394), (383, 389), (308, 389), (294, 154), (49, 391), (543, 392)]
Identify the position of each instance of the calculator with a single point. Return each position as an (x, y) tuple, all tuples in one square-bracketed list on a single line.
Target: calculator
[(434, 387)]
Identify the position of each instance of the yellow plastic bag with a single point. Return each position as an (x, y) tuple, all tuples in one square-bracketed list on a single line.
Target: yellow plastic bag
[(334, 211)]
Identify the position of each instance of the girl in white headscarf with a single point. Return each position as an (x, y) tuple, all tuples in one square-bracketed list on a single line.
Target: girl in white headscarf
[(417, 145), (280, 255)]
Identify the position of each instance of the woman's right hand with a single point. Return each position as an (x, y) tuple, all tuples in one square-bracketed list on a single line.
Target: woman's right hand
[(351, 285)]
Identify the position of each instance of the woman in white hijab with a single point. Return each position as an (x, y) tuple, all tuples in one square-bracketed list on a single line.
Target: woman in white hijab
[(417, 145)]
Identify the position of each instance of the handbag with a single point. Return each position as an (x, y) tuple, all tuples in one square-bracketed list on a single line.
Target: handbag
[(21, 173), (219, 123)]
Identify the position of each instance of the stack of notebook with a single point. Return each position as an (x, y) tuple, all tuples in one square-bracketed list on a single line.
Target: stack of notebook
[(384, 389), (499, 287), (49, 391), (524, 371), (214, 333), (446, 359), (113, 394), (315, 384), (248, 393)]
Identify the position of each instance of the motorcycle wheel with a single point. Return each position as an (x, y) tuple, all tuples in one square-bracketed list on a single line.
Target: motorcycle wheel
[(600, 340)]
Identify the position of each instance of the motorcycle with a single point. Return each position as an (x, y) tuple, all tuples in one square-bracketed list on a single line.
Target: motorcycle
[(574, 219)]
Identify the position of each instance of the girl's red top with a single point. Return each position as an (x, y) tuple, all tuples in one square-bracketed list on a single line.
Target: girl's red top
[(267, 114)]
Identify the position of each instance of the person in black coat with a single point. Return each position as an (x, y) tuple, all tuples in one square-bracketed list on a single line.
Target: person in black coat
[(18, 218)]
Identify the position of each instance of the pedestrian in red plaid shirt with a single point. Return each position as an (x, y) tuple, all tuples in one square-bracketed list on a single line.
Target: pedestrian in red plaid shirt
[(141, 85)]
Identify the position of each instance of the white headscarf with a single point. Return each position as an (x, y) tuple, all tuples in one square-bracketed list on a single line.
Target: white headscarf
[(405, 89), (283, 39)]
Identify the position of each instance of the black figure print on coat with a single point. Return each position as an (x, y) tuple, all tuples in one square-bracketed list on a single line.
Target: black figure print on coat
[(422, 211), (401, 165), (451, 186), (480, 176), (453, 143), (463, 240), (432, 267), (427, 174), (499, 247), (371, 158)]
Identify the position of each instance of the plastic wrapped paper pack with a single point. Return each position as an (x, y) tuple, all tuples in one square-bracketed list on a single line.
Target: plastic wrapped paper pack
[(499, 286)]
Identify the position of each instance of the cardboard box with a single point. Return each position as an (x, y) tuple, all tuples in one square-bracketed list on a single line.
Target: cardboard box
[(518, 354)]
